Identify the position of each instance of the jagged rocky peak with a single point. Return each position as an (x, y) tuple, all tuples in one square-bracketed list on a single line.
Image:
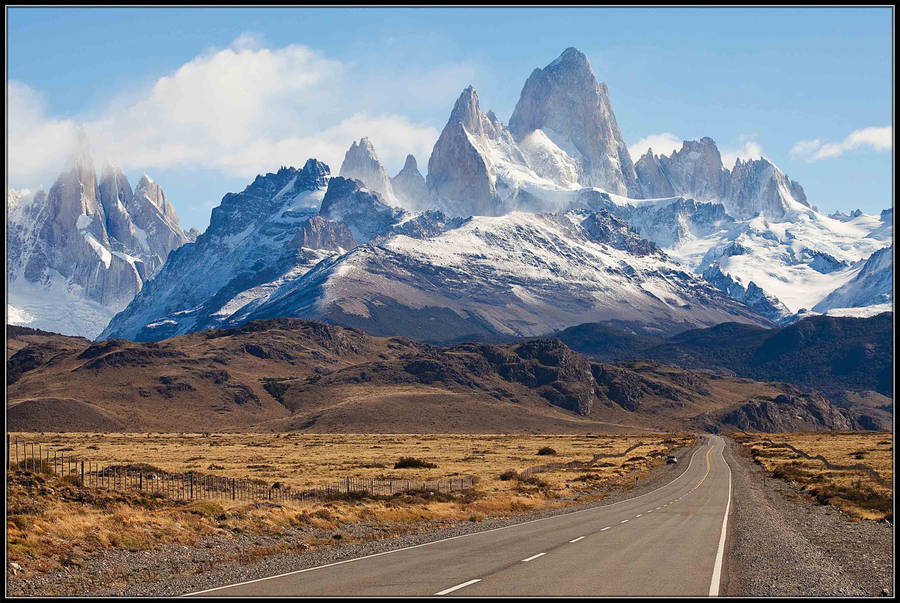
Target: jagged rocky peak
[(80, 253), (696, 170), (116, 196), (152, 192), (268, 194), (758, 187), (361, 163), (839, 215), (566, 102), (74, 199), (457, 170), (409, 185), (360, 208), (653, 181), (114, 187), (467, 112)]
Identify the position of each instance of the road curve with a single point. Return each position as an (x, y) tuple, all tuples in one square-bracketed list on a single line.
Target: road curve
[(667, 542)]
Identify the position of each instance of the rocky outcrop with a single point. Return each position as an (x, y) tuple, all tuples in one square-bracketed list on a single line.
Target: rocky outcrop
[(790, 412), (362, 210), (872, 285), (565, 101), (361, 163), (409, 185), (319, 233), (429, 223), (751, 295), (604, 227)]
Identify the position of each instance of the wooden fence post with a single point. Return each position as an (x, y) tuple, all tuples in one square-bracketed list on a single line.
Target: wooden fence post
[(82, 473), (191, 477)]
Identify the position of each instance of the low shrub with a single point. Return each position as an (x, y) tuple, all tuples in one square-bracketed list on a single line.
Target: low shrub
[(409, 462), (545, 451)]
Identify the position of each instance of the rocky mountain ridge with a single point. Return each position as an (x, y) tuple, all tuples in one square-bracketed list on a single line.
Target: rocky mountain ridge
[(297, 375)]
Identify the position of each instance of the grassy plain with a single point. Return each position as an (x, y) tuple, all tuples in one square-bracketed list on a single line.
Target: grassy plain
[(853, 489)]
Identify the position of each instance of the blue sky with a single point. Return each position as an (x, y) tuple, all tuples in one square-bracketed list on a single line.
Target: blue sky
[(202, 99)]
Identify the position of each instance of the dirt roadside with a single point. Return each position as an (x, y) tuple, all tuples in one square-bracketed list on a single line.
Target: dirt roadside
[(782, 543)]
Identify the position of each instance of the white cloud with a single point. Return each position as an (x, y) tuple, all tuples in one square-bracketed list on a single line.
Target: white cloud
[(38, 143), (750, 150), (245, 109), (879, 138), (662, 144)]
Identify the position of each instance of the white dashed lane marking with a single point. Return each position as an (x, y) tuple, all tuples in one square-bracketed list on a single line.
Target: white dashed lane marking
[(458, 586), (533, 557)]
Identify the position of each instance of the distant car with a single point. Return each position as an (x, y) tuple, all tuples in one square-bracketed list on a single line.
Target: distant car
[(670, 460)]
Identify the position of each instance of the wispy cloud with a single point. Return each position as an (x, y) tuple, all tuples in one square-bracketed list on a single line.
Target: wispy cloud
[(662, 144), (749, 150), (244, 109), (878, 138)]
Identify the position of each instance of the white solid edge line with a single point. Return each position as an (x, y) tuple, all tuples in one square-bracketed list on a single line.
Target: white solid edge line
[(415, 546), (577, 539), (715, 583), (533, 557), (457, 587)]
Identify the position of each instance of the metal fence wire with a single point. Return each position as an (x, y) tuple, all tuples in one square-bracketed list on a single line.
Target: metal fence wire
[(192, 485)]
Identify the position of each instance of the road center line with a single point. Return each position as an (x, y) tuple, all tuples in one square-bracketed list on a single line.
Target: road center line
[(720, 552), (606, 528), (458, 586), (533, 557), (624, 521), (577, 539), (638, 515)]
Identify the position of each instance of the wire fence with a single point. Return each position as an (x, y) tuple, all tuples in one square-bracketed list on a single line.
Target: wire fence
[(192, 485)]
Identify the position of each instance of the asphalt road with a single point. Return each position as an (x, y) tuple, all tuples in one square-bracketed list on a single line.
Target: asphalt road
[(667, 542)]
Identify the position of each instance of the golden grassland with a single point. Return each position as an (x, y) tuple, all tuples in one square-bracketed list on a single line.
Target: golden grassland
[(311, 460), (853, 490), (55, 522)]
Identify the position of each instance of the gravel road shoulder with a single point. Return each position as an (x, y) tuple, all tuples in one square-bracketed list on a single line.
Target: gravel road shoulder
[(781, 543)]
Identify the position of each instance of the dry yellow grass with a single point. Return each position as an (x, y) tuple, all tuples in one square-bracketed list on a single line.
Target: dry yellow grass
[(853, 490), (312, 460), (53, 522)]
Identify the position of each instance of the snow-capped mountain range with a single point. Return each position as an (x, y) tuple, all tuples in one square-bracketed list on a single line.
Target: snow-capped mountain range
[(79, 253), (517, 230)]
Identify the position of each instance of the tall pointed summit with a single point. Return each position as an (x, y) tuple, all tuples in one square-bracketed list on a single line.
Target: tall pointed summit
[(361, 163), (566, 102)]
